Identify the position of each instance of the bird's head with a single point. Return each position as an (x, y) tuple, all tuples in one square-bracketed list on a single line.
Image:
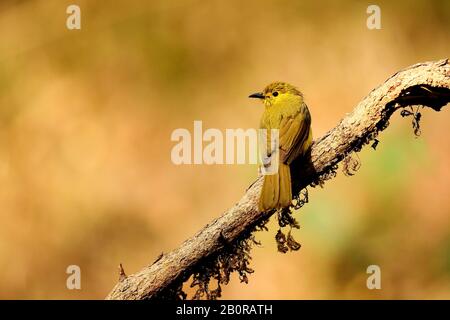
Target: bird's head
[(278, 92)]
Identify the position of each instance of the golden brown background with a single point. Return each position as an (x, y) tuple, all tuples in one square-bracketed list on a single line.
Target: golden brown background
[(86, 117)]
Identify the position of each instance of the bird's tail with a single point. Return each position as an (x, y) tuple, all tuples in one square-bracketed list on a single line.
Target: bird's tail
[(276, 191)]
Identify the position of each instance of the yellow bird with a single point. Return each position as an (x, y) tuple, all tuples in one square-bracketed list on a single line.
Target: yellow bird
[(286, 111)]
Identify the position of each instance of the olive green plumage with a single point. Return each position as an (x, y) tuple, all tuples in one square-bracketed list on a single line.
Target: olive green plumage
[(286, 111)]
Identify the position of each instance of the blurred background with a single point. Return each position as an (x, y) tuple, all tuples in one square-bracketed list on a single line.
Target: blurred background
[(86, 117)]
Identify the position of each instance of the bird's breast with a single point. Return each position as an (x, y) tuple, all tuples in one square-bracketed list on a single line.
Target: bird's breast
[(273, 115)]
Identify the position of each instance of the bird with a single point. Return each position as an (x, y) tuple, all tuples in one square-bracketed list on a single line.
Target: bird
[(285, 110)]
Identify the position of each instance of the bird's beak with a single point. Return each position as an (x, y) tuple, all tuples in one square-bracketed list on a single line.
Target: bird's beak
[(258, 95)]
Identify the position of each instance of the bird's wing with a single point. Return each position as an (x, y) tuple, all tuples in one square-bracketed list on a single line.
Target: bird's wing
[(294, 132)]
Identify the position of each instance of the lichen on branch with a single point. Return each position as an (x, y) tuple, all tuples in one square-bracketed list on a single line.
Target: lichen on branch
[(223, 246)]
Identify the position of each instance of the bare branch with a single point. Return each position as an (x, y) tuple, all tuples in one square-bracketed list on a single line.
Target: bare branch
[(425, 84)]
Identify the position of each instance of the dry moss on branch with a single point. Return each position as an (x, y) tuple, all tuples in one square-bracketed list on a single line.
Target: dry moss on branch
[(236, 257), (215, 270)]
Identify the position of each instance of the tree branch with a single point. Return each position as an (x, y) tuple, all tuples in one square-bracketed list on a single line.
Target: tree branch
[(425, 84)]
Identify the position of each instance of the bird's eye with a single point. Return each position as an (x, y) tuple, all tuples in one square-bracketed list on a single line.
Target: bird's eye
[(275, 94)]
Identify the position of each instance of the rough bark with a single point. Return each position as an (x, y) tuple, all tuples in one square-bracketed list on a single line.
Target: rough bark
[(425, 84)]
